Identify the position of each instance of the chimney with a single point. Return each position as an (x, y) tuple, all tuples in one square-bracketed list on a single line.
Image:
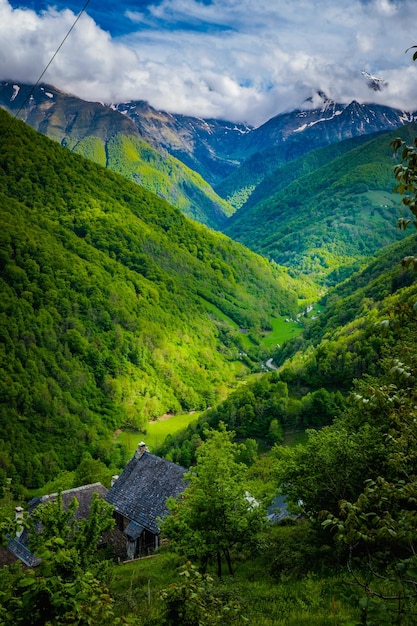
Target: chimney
[(113, 479), (19, 521), (142, 447)]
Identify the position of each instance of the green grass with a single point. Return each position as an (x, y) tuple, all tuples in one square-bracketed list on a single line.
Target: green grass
[(218, 314), (156, 432), (281, 331), (311, 600), (381, 197)]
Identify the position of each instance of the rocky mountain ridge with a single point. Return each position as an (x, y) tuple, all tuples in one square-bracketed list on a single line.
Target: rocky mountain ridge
[(213, 148), (204, 145), (289, 136)]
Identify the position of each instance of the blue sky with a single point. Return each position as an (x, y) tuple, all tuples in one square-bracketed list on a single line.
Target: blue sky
[(241, 60)]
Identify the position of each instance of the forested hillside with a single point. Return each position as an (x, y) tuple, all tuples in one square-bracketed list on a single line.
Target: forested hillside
[(162, 174), (114, 307), (108, 137), (325, 222), (289, 136), (363, 320)]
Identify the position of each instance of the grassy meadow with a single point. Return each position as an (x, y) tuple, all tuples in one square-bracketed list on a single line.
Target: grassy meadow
[(156, 431), (281, 331), (306, 601)]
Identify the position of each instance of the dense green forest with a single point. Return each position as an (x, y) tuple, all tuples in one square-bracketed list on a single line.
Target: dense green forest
[(331, 218), (348, 340), (164, 175), (115, 308)]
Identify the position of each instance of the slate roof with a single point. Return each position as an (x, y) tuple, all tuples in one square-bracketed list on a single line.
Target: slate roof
[(83, 494), (141, 491), (278, 510), (18, 546), (23, 553)]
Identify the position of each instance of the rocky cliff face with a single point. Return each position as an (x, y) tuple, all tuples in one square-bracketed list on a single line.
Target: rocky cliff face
[(205, 146)]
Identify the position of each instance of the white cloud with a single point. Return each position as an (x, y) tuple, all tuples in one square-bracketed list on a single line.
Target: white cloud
[(236, 59)]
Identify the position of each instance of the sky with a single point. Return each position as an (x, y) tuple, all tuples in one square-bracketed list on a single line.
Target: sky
[(237, 60)]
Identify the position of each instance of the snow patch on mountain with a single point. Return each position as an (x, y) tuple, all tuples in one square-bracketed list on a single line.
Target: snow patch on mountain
[(322, 119)]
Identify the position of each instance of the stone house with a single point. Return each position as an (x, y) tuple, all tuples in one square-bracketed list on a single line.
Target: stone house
[(139, 498)]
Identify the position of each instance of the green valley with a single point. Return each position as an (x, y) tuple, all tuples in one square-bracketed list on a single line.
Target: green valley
[(109, 307), (324, 220)]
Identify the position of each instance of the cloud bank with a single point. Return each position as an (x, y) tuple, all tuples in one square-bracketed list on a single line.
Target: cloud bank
[(230, 59)]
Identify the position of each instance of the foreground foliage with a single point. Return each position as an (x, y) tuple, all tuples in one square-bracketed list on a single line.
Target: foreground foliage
[(252, 595), (68, 586)]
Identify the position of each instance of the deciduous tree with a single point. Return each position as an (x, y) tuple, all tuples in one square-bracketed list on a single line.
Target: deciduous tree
[(214, 514)]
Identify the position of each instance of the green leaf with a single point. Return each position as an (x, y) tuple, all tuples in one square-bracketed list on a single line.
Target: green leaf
[(26, 582), (364, 603)]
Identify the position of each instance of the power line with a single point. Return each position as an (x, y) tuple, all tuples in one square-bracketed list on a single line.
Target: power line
[(52, 58)]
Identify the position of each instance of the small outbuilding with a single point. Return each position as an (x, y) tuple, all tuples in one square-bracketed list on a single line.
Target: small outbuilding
[(18, 545)]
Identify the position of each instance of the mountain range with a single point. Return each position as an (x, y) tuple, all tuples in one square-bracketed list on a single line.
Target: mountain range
[(289, 136), (213, 148), (271, 187)]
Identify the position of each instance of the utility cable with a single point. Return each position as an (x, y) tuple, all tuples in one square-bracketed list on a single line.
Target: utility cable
[(52, 58)]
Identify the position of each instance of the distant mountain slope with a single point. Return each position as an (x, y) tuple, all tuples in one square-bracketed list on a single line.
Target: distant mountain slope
[(342, 212), (113, 140), (328, 123), (364, 319), (289, 136), (204, 145), (307, 164), (114, 307)]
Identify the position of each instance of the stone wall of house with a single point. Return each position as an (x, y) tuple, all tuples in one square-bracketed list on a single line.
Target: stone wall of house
[(115, 541)]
